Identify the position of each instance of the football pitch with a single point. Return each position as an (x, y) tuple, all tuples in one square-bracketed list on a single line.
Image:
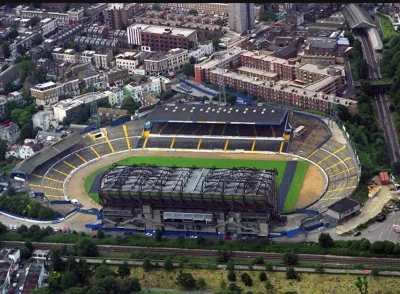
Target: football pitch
[(279, 165)]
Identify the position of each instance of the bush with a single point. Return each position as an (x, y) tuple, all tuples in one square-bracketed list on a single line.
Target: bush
[(325, 240), (262, 276), (201, 283), (319, 269), (291, 274), (147, 264), (235, 288), (268, 286), (269, 267), (231, 276), (222, 285), (374, 272), (258, 260), (185, 280), (168, 265), (246, 279), (290, 258), (230, 266)]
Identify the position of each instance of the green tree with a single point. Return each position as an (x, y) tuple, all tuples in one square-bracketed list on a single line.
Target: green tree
[(5, 66), (192, 60), (268, 286), (224, 255), (110, 284), (258, 260), (3, 150), (5, 49), (193, 12), (68, 280), (168, 265), (103, 271), (246, 279), (26, 68), (123, 26), (33, 21), (156, 7), (188, 69), (362, 285), (222, 285), (201, 283), (375, 272), (129, 104), (13, 34), (262, 276), (267, 15), (124, 270), (134, 285), (230, 266), (377, 247), (291, 274), (87, 248), (185, 280), (290, 258), (325, 240), (158, 235), (231, 276), (233, 288), (147, 266), (100, 234), (319, 269)]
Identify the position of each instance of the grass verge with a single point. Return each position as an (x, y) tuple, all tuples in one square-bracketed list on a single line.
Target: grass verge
[(295, 186), (386, 25)]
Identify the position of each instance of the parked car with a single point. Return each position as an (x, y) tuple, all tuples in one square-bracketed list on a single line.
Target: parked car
[(380, 218), (21, 265), (14, 285), (357, 233), (17, 277)]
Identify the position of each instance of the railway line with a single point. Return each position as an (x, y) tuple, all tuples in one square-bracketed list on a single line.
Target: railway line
[(242, 255), (382, 107)]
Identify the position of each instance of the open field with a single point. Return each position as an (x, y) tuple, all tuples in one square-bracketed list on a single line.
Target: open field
[(295, 186), (309, 283)]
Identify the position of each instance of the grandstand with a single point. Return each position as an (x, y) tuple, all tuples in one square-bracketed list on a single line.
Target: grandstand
[(256, 128), (235, 201)]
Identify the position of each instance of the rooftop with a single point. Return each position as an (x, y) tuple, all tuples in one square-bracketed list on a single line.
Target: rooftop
[(267, 115), (163, 30), (343, 205)]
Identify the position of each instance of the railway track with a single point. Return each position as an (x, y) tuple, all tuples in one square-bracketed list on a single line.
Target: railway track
[(242, 255)]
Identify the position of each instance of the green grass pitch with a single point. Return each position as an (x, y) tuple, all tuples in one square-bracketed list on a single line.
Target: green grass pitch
[(294, 189), (295, 186)]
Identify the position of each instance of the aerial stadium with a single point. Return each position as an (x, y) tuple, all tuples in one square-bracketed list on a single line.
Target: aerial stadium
[(198, 169)]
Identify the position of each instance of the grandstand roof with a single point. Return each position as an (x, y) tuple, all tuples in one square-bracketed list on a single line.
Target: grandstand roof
[(199, 113), (357, 17), (28, 165), (343, 205)]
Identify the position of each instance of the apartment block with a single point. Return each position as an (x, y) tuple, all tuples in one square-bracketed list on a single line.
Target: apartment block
[(46, 93), (137, 90), (241, 17), (116, 76), (160, 64), (102, 59), (75, 14), (45, 120), (118, 13), (128, 60), (10, 134), (115, 96)]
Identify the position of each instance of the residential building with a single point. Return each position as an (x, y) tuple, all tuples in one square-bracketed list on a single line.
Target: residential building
[(295, 18), (203, 49), (343, 209), (116, 76), (117, 14), (10, 134), (47, 26), (109, 114), (68, 55), (68, 107), (8, 260), (46, 93), (92, 78), (137, 90), (24, 151), (208, 8), (325, 49), (36, 53), (102, 59), (25, 12), (62, 37), (98, 31), (11, 74), (160, 64), (70, 88), (115, 96), (241, 17), (128, 60), (75, 15), (42, 255), (15, 96), (156, 38), (97, 43), (95, 9), (30, 82), (34, 278), (45, 120), (149, 100), (48, 138)]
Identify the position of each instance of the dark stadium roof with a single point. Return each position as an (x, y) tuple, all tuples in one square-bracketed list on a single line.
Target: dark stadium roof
[(199, 113), (343, 205), (28, 165), (357, 17)]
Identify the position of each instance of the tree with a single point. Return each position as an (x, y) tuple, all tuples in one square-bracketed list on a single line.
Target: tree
[(100, 234), (201, 283), (222, 285), (5, 48), (230, 266), (291, 274), (168, 265), (246, 279), (192, 60), (124, 270), (349, 35), (325, 240), (233, 288), (3, 150), (103, 271), (147, 264), (319, 269), (377, 247), (129, 104), (68, 280), (185, 280), (134, 285), (224, 255), (362, 285), (5, 66), (267, 15), (268, 285), (87, 248), (158, 235), (26, 68), (262, 276), (156, 7), (258, 260), (375, 272), (13, 34), (231, 276), (123, 26), (290, 258), (32, 22), (188, 69), (110, 284), (193, 12)]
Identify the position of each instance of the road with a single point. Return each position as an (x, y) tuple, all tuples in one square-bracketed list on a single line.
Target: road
[(382, 106), (242, 255)]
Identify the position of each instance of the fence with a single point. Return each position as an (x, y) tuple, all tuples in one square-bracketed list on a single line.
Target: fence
[(120, 121)]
